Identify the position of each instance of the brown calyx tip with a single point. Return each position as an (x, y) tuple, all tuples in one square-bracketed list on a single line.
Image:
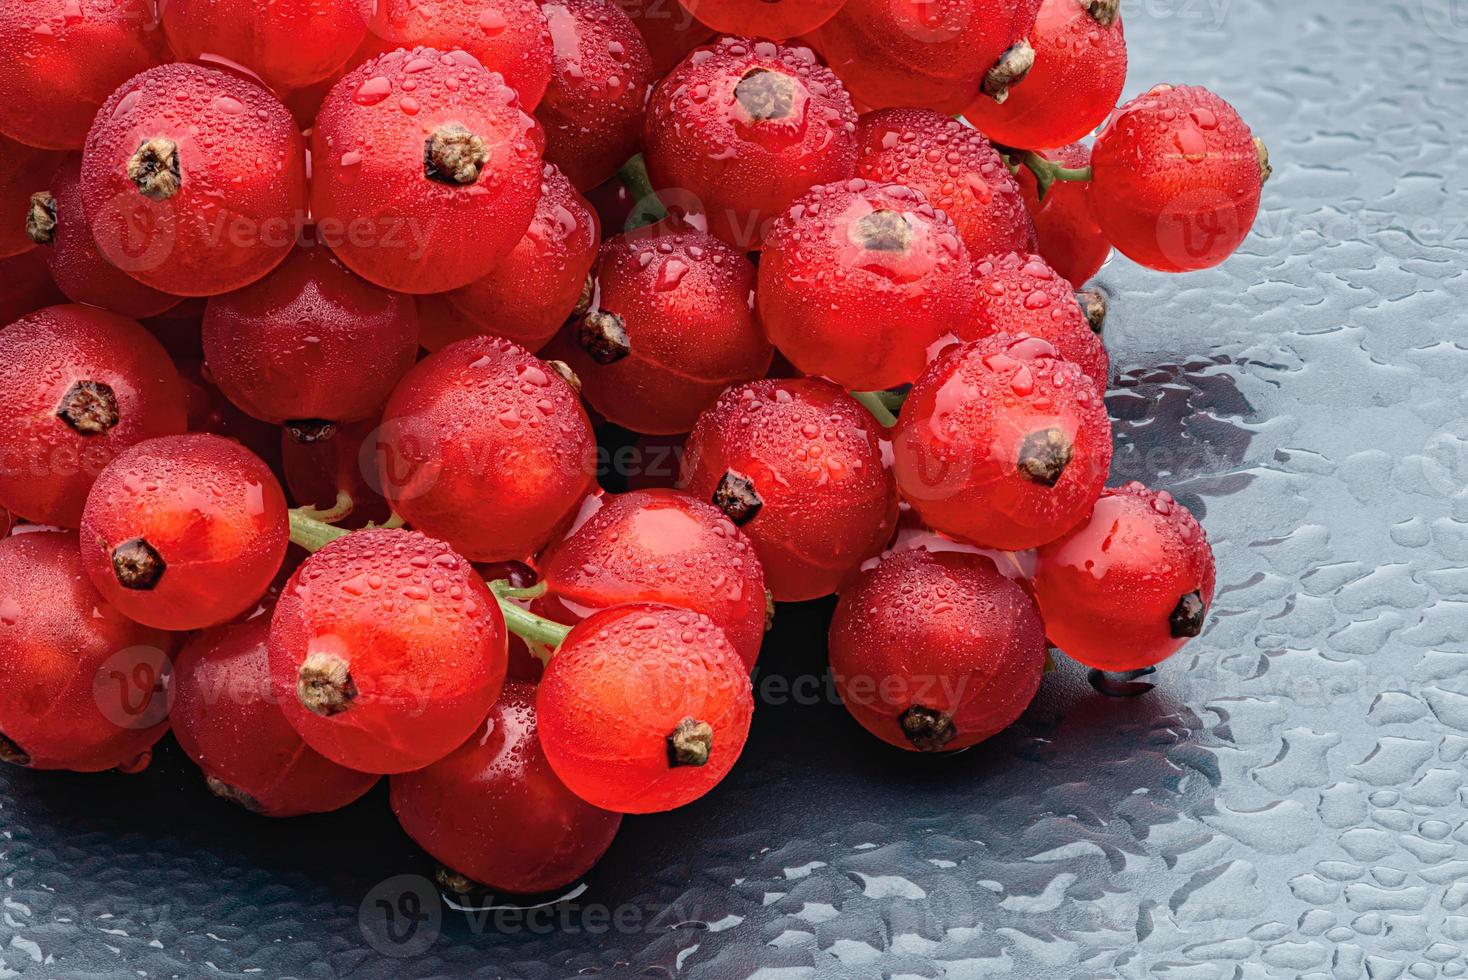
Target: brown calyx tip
[(1044, 455), (138, 565), (564, 372), (1265, 170), (454, 882), (737, 498), (691, 743), (89, 407), (883, 231), (155, 169), (1187, 616), (324, 685), (12, 753), (588, 293), (239, 797), (453, 155), (604, 337), (769, 610), (766, 95), (1103, 12), (309, 431), (1093, 302), (40, 220), (928, 729), (1011, 69)]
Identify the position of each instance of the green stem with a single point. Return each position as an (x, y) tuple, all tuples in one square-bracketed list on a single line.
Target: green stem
[(647, 208), (1047, 172), (338, 511), (875, 403), (311, 533), (542, 635)]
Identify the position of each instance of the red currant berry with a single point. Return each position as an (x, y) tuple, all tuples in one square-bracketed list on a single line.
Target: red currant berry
[(184, 532), (745, 128), (1003, 444), (290, 44), (226, 719), (194, 180), (310, 344), (672, 325), (26, 286), (859, 280), (386, 651), (670, 33), (956, 169), (317, 472), (24, 170), (210, 412), (538, 285), (1131, 585), (644, 708), (935, 652), (935, 53), (487, 447), (1021, 294), (85, 687), (798, 466), (426, 171), (659, 546), (81, 385), (60, 59), (57, 219), (1076, 80), (1176, 178), (767, 18), (593, 109), (494, 812), (1070, 240)]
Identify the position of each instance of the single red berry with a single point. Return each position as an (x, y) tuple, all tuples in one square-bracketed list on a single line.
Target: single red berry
[(290, 44), (386, 651), (85, 687), (798, 466), (55, 218), (939, 54), (1021, 294), (671, 326), (425, 170), (487, 447), (26, 286), (539, 285), (1002, 444), (310, 344), (743, 128), (659, 546), (936, 651), (956, 169), (61, 59), (80, 386), (507, 36), (1131, 585), (1076, 80), (194, 180), (1176, 179), (319, 470), (1070, 240), (644, 708), (858, 281), (593, 109), (24, 170), (227, 720), (494, 812), (670, 32), (765, 18)]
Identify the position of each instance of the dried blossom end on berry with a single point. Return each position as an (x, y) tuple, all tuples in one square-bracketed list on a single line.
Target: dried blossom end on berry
[(1188, 616), (928, 730), (1044, 455), (138, 565), (89, 407), (325, 685), (691, 743), (155, 169), (40, 220)]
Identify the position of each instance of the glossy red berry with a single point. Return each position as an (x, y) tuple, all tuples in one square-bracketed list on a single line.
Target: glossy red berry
[(763, 18), (24, 170), (956, 169), (669, 30), (26, 286), (227, 720), (1075, 82), (194, 180), (290, 44), (386, 651), (936, 651), (593, 108), (671, 326), (310, 344), (1070, 240), (644, 708), (80, 386), (539, 285), (659, 546), (425, 170), (743, 128), (85, 687), (494, 812), (1176, 179), (1129, 586), (935, 53), (1002, 444), (859, 280), (486, 447), (318, 471), (60, 59), (798, 466)]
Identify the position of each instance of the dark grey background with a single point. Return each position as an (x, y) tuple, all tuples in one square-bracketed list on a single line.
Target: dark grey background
[(1287, 803)]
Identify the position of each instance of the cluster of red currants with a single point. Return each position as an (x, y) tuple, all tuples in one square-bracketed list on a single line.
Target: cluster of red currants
[(234, 231)]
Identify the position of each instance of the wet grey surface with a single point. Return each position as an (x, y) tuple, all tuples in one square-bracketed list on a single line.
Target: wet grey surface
[(1288, 802)]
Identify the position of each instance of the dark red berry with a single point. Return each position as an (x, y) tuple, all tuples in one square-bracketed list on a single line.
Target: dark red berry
[(670, 32), (26, 286), (764, 18)]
